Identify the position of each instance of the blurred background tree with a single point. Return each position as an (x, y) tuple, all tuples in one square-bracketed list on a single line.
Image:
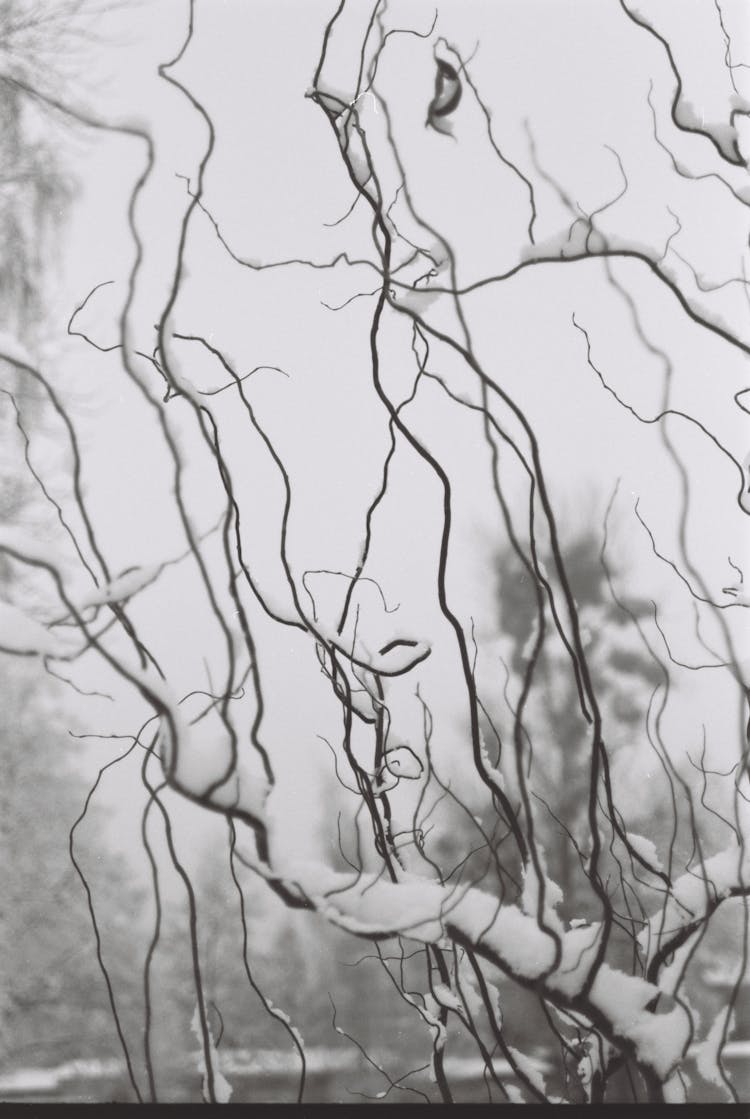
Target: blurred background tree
[(625, 676), (55, 1004), (53, 1001)]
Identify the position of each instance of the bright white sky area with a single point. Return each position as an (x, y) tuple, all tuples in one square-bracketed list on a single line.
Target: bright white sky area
[(274, 184)]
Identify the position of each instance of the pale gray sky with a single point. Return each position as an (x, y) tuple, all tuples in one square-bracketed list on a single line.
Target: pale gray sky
[(274, 179)]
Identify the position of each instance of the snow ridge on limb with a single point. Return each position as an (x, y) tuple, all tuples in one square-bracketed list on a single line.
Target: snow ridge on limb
[(619, 1004)]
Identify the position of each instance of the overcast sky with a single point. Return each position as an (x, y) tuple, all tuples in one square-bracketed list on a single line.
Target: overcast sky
[(567, 89)]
